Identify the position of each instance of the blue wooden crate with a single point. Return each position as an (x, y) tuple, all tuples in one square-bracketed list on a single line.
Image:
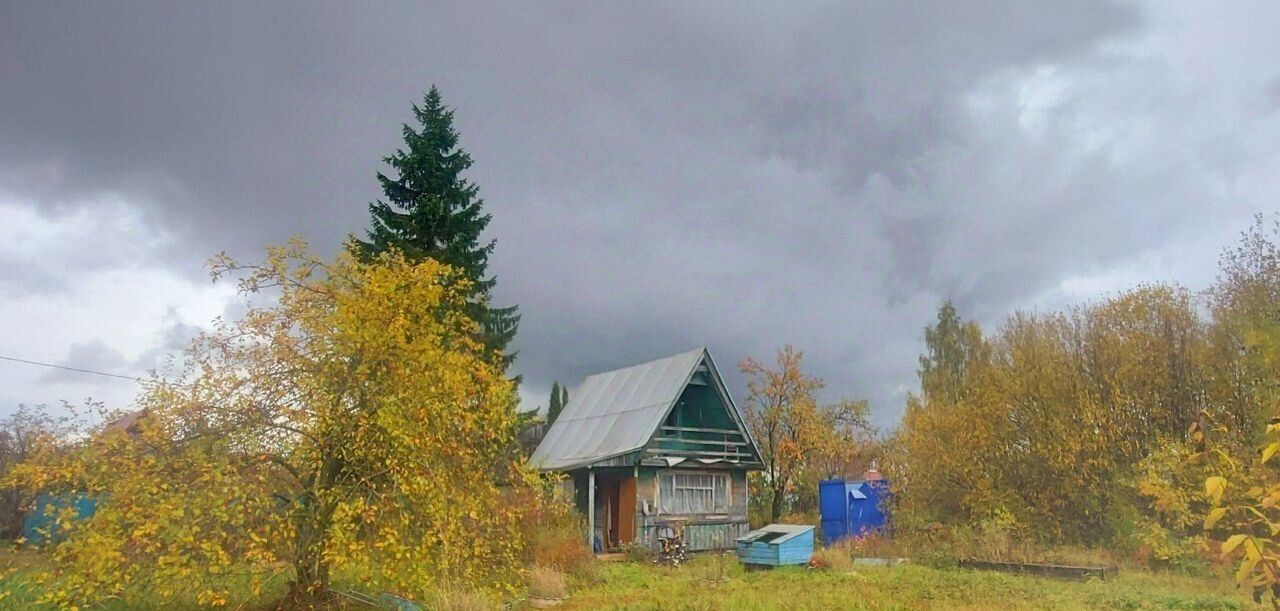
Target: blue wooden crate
[(776, 545)]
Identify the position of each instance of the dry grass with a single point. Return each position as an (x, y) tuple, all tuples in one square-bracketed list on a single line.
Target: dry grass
[(870, 546), (945, 546), (556, 540), (832, 559), (459, 599), (645, 586), (562, 552), (809, 517), (908, 587), (712, 567), (546, 582)]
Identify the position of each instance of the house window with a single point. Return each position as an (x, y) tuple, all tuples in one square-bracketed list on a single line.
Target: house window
[(681, 492)]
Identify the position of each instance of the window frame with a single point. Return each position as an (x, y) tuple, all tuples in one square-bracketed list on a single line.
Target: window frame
[(707, 491)]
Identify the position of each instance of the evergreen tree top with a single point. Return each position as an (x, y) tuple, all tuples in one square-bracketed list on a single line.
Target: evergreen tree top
[(429, 210)]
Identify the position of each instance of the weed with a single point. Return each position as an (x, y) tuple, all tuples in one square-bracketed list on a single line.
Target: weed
[(639, 552), (546, 582), (713, 567), (460, 599), (832, 559)]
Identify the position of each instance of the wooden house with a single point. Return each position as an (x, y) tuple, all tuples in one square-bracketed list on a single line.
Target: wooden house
[(660, 443)]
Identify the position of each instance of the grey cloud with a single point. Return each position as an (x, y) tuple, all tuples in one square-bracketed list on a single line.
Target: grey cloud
[(165, 354), (95, 355), (76, 240), (661, 176), (92, 355)]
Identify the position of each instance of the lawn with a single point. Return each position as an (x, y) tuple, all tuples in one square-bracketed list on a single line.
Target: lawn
[(711, 583), (632, 586), (19, 589)]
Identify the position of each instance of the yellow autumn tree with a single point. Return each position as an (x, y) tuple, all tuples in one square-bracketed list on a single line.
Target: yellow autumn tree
[(798, 438), (846, 445), (349, 420), (1050, 418), (1244, 491)]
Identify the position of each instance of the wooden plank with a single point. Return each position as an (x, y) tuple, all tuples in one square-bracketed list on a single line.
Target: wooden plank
[(1044, 570), (734, 455), (713, 442), (627, 510), (612, 507), (689, 429)]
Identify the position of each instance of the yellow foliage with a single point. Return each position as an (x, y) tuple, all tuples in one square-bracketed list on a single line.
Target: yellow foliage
[(1047, 417), (800, 441), (352, 420), (1243, 503)]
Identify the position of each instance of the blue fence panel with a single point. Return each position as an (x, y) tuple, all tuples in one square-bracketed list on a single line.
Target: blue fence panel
[(40, 525)]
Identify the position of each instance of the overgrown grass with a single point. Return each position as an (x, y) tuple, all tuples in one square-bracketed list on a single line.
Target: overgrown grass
[(546, 582), (835, 558), (19, 589), (719, 582), (633, 586)]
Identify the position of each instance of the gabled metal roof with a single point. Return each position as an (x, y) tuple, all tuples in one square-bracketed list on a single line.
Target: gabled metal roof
[(616, 412)]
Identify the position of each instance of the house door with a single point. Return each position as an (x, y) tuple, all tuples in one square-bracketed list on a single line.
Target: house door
[(617, 496)]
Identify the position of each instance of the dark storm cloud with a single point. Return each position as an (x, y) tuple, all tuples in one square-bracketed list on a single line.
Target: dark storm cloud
[(661, 176)]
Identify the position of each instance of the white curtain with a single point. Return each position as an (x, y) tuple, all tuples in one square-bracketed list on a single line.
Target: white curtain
[(693, 492)]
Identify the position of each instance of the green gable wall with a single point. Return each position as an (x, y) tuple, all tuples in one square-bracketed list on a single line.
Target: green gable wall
[(715, 433), (699, 406)]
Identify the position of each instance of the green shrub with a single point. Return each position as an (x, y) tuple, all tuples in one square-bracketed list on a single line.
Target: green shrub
[(639, 552)]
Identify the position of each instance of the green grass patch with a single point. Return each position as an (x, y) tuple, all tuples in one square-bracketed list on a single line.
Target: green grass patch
[(20, 589), (721, 583), (633, 586)]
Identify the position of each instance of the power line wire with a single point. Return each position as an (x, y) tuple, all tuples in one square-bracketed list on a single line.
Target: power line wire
[(76, 369)]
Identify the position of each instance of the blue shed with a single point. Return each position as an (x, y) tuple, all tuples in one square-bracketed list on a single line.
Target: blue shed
[(852, 508), (776, 545), (40, 525)]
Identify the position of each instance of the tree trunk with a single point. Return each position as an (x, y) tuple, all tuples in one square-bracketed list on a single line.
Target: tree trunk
[(312, 519), (311, 570), (775, 511), (312, 580)]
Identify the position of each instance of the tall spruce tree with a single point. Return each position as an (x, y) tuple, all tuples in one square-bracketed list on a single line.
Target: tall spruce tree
[(554, 407), (430, 211), (559, 399)]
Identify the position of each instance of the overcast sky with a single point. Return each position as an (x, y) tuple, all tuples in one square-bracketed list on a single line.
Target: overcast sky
[(661, 175)]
